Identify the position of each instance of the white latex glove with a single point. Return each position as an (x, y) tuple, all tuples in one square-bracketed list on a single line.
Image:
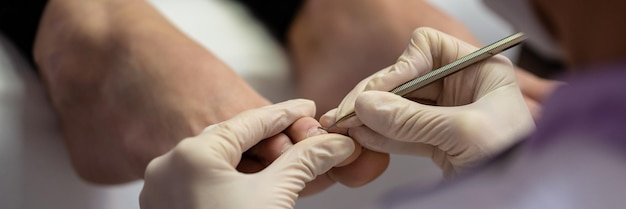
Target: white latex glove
[(200, 171), (458, 122)]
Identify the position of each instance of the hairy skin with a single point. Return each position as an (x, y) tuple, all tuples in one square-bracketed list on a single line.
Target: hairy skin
[(128, 86)]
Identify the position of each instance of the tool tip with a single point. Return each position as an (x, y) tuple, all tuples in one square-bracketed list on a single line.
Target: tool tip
[(329, 127)]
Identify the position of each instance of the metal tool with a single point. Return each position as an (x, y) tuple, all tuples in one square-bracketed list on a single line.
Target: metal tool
[(449, 69)]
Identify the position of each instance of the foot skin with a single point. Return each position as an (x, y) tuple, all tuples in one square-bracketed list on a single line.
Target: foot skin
[(128, 86)]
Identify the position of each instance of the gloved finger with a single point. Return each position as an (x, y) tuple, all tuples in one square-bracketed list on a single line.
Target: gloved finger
[(400, 119), (385, 80), (309, 127), (250, 127), (347, 106), (269, 149), (328, 119), (300, 130), (367, 167), (428, 50), (305, 161), (376, 142)]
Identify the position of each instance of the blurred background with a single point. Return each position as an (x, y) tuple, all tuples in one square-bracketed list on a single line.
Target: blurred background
[(35, 170)]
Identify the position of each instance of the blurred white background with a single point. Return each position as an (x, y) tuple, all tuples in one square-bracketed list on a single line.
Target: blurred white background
[(35, 172)]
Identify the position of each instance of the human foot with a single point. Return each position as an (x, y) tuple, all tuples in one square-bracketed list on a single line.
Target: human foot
[(127, 85), (336, 44)]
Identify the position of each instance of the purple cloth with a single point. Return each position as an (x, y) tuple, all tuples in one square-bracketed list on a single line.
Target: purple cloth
[(575, 159), (593, 103)]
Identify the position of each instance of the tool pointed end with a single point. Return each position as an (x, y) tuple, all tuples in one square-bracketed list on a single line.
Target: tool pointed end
[(329, 127)]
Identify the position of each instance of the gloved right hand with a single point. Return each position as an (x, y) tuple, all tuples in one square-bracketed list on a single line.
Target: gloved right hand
[(458, 121)]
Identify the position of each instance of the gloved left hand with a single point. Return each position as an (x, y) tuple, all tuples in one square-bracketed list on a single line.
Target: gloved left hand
[(200, 171)]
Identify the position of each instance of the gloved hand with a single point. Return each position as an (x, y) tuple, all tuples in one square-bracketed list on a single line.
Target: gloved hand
[(200, 171), (458, 121)]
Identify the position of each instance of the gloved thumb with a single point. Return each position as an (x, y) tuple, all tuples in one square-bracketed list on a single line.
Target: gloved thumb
[(303, 162), (401, 119)]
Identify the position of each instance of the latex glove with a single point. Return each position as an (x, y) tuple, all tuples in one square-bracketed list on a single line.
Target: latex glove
[(200, 171), (458, 122)]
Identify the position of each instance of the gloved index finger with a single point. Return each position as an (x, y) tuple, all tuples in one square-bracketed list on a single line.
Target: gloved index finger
[(250, 127), (428, 49), (385, 79)]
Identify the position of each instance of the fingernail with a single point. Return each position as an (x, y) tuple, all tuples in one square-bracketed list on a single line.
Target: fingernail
[(315, 131)]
